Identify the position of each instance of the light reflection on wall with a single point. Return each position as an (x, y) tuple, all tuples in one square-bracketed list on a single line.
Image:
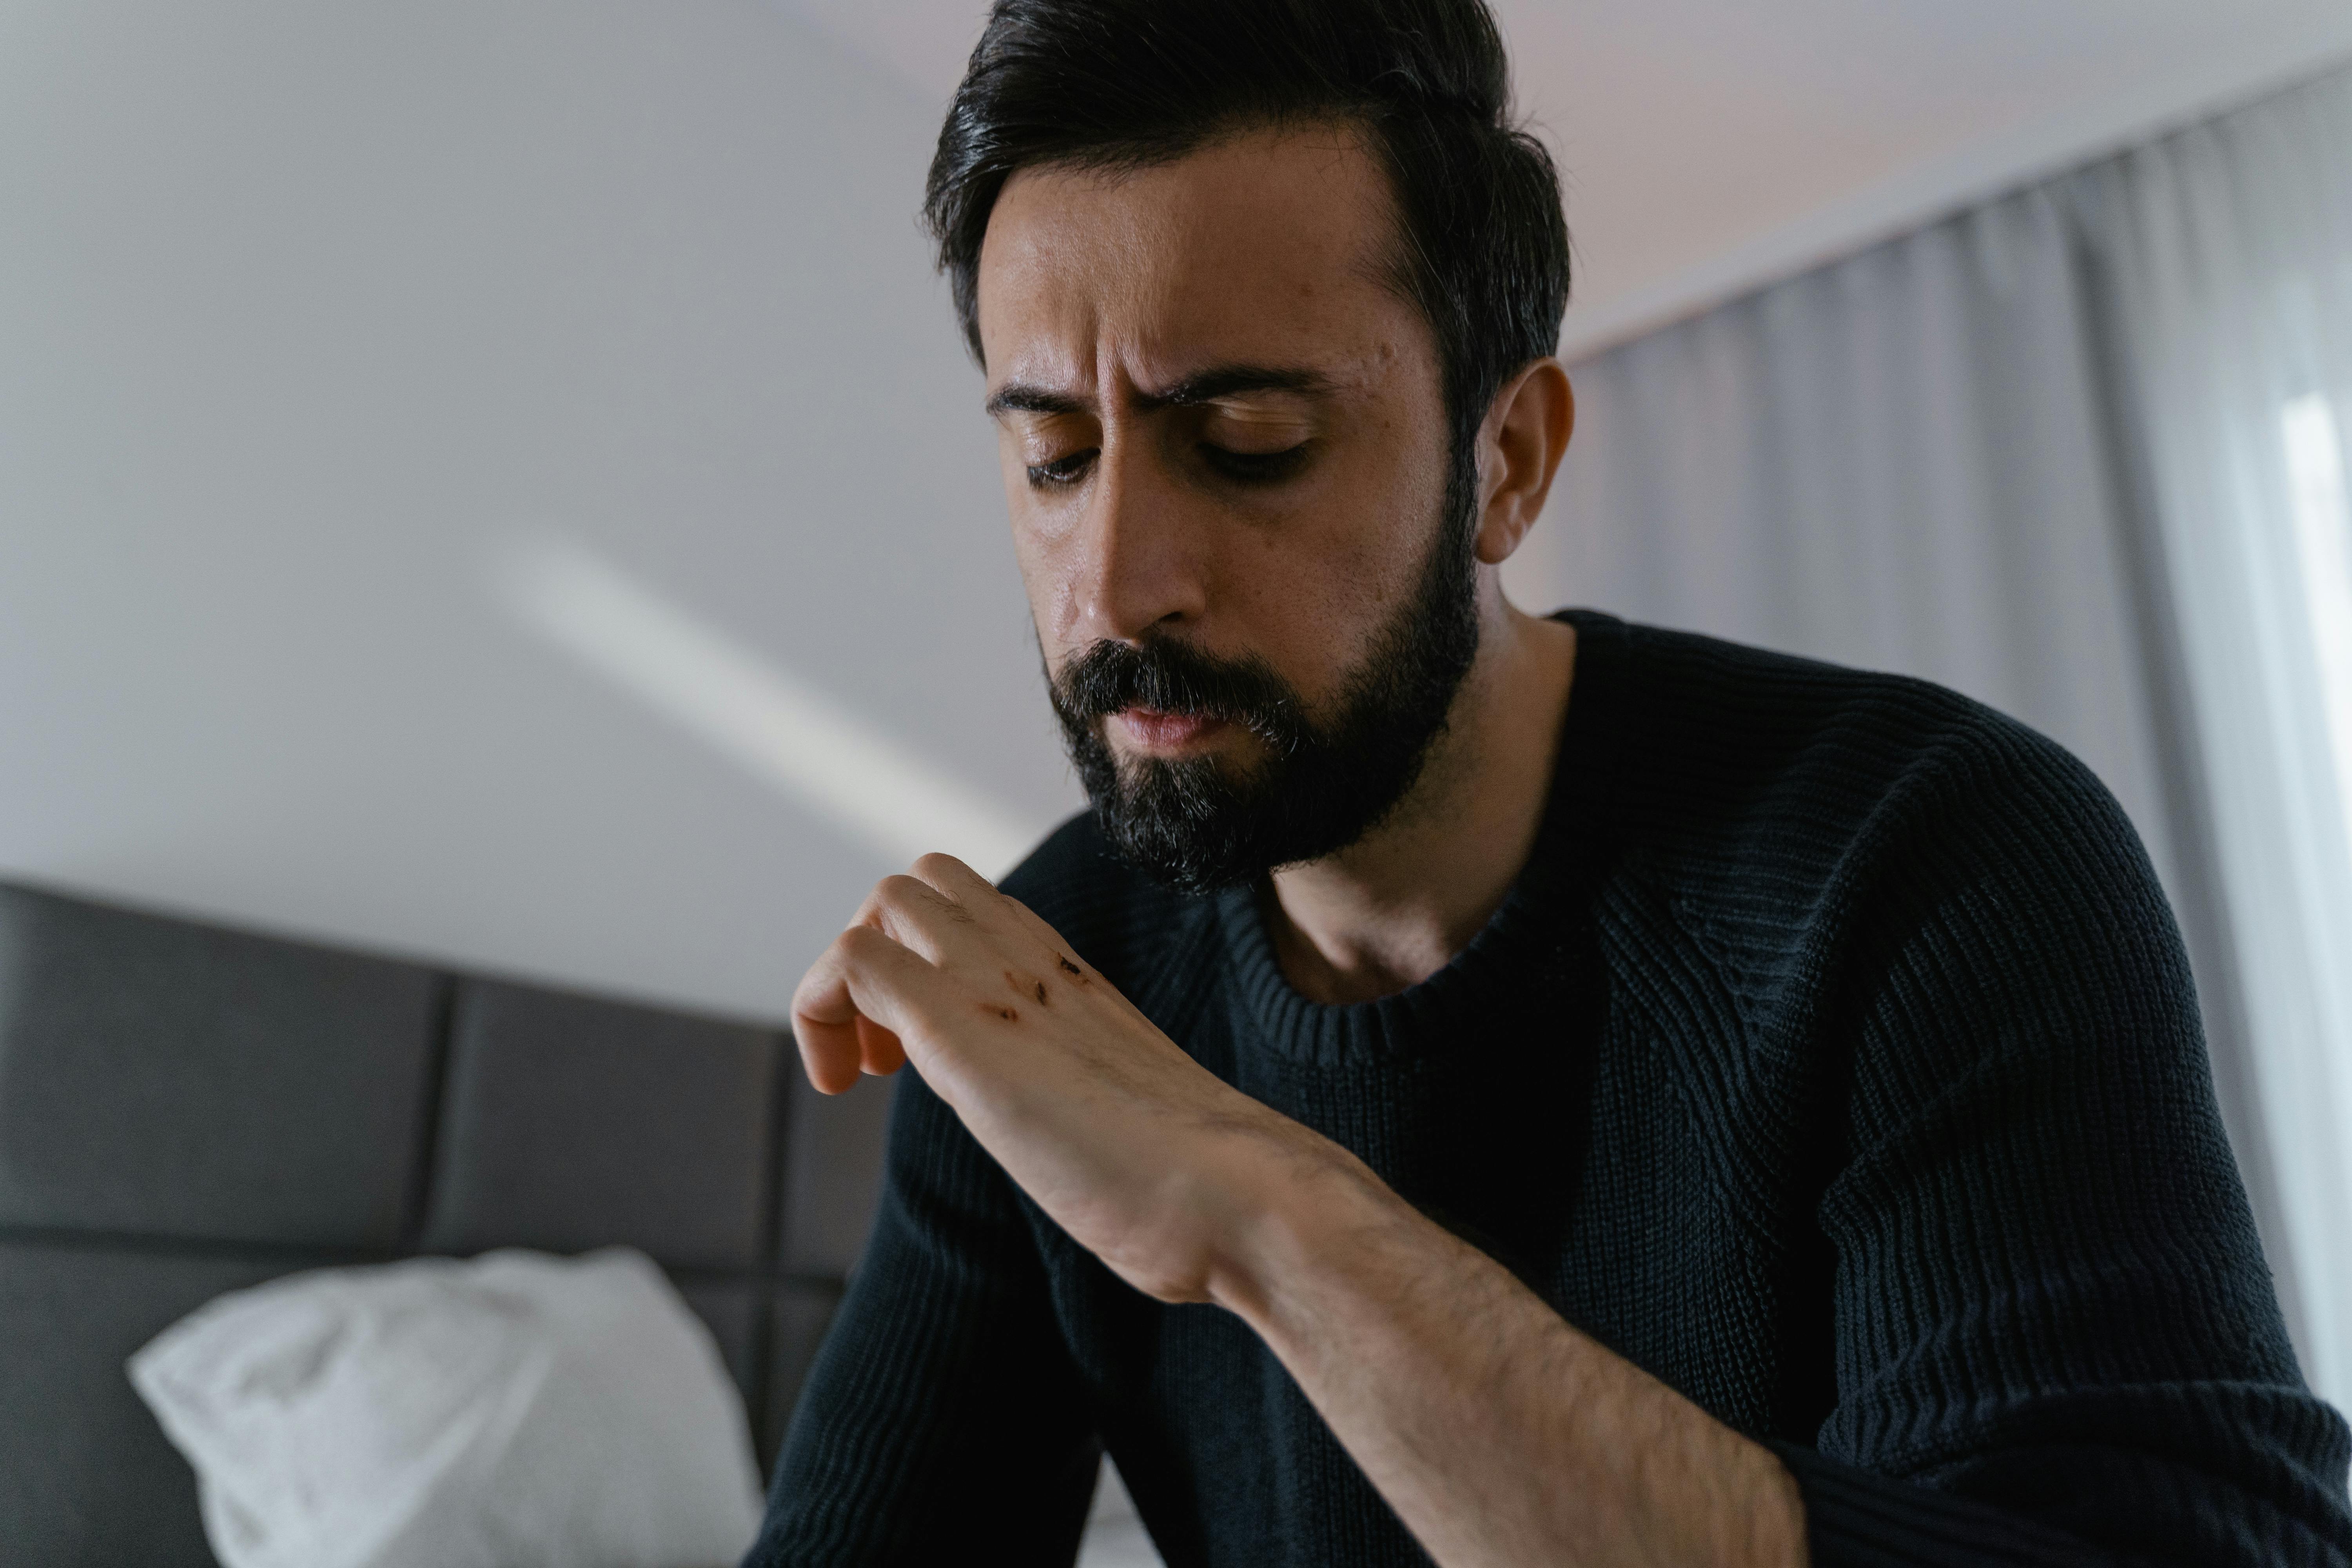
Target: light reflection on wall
[(777, 727)]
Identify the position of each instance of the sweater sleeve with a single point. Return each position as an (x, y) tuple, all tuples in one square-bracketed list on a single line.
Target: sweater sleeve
[(2057, 1339), (943, 1420)]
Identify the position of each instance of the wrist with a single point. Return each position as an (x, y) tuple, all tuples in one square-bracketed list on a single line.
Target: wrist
[(1309, 1210)]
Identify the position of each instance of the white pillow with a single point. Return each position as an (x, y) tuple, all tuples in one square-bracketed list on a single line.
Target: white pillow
[(512, 1412)]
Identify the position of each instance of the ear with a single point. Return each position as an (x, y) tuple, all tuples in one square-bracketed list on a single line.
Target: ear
[(1519, 446)]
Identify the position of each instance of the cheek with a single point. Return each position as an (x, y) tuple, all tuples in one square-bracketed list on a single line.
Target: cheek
[(1312, 598), (1029, 546), (1048, 579), (1352, 558)]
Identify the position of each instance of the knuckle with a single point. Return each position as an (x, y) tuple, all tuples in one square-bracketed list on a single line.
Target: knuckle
[(862, 940), (898, 889), (911, 895), (905, 898)]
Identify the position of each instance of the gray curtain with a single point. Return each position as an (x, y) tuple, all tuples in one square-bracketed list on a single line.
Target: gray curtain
[(1999, 453)]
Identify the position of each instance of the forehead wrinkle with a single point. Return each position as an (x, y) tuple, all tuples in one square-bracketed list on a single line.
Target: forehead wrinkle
[(1126, 300)]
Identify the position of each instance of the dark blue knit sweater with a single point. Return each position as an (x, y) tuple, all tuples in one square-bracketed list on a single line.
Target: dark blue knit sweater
[(1834, 1058)]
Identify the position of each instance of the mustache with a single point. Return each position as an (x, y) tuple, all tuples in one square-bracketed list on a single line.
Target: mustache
[(1172, 676)]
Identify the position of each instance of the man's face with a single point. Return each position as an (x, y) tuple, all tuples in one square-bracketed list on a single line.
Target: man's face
[(1226, 458)]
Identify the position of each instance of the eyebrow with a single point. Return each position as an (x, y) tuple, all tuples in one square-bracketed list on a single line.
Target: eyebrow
[(1207, 386)]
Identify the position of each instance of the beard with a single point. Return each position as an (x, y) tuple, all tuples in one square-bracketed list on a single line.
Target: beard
[(1200, 823)]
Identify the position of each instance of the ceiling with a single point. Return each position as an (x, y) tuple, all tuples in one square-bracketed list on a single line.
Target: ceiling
[(1710, 146)]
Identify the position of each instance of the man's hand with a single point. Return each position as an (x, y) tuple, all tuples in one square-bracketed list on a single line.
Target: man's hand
[(1149, 1161), (1499, 1432)]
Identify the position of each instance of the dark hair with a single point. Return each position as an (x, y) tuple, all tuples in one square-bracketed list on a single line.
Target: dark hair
[(1482, 248)]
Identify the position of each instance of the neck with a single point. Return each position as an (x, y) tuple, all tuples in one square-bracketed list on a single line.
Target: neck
[(1396, 906)]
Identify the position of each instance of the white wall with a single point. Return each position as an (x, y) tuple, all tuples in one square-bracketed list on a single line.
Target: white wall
[(307, 312)]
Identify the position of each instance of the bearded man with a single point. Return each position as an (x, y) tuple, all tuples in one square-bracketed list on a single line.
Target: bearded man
[(1480, 1088)]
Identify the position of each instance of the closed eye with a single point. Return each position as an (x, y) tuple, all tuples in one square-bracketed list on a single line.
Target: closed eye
[(1254, 468), (1066, 470)]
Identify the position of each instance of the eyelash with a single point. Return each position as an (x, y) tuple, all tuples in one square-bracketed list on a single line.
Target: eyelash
[(1254, 468), (1061, 471), (1243, 468)]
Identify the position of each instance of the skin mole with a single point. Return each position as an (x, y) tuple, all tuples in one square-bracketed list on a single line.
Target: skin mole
[(1007, 1014), (1033, 987), (1068, 967)]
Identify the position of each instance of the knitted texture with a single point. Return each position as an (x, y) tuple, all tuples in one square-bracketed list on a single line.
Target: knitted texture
[(1833, 1058)]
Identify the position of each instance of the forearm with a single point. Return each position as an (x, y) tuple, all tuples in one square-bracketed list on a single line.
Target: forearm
[(1498, 1432)]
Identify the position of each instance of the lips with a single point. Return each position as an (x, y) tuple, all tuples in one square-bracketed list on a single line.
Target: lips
[(1150, 730)]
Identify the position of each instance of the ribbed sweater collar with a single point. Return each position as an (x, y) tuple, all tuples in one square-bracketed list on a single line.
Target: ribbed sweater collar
[(1495, 973)]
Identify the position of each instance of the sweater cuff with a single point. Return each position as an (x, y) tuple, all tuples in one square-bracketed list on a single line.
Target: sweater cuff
[(1858, 1519)]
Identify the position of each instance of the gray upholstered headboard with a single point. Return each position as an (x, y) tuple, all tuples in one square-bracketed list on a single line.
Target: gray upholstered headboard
[(184, 1111)]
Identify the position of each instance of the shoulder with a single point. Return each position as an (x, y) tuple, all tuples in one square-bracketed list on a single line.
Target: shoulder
[(1792, 843), (1119, 919), (1732, 761)]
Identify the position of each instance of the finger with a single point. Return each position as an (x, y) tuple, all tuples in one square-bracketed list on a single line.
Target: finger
[(919, 917), (946, 930), (864, 977), (830, 1053), (879, 1051), (977, 896), (952, 878)]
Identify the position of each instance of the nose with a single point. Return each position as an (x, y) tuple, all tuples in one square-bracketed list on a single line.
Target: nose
[(1134, 565)]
